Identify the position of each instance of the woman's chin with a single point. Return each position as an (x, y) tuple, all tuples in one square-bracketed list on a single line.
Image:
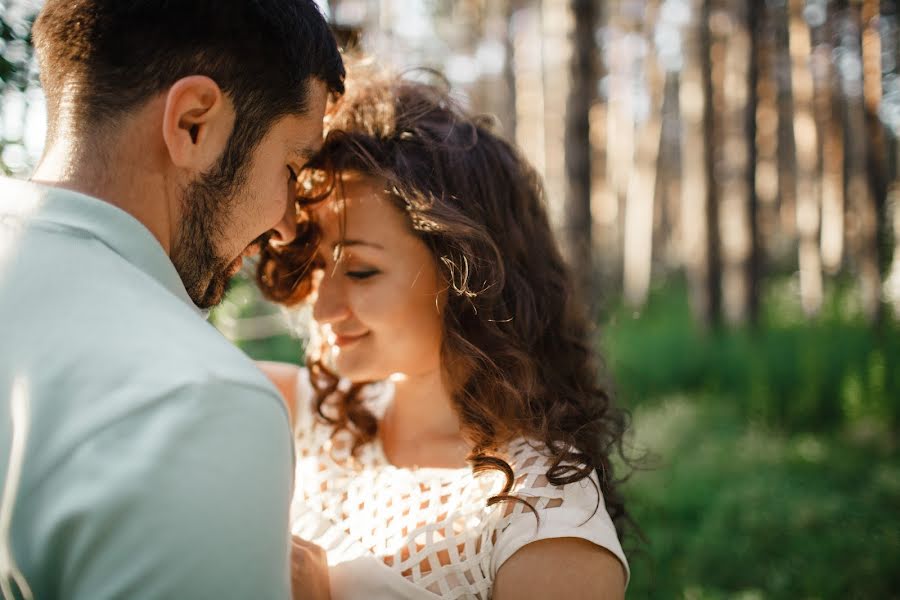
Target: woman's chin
[(356, 370)]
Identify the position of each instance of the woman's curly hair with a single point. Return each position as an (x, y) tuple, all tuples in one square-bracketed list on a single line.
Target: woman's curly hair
[(512, 323)]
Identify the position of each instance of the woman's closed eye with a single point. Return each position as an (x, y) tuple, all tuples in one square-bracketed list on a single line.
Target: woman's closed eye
[(360, 274)]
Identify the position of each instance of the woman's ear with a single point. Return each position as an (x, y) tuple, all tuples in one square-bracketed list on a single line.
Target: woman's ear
[(197, 123)]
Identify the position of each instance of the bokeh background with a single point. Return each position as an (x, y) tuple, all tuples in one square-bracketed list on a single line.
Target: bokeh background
[(724, 177)]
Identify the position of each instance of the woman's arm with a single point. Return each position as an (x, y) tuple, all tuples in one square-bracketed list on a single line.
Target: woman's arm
[(570, 568), (284, 376)]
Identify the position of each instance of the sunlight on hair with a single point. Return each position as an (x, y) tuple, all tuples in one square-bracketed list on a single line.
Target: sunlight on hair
[(9, 570)]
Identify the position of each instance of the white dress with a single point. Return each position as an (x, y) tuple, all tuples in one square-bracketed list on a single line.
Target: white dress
[(426, 533)]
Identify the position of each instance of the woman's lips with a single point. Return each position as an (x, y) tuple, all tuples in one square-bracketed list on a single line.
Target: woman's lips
[(342, 341)]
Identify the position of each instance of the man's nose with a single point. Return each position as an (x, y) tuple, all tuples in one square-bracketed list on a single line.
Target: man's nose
[(285, 230)]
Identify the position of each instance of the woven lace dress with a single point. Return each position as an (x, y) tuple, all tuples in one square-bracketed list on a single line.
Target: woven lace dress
[(425, 533)]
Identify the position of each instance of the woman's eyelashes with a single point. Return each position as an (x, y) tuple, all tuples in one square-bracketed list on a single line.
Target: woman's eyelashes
[(360, 274)]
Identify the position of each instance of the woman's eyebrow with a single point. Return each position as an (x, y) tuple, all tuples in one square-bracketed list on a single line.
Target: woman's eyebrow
[(347, 243)]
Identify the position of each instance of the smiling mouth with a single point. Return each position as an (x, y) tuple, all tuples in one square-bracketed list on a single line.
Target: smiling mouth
[(342, 341)]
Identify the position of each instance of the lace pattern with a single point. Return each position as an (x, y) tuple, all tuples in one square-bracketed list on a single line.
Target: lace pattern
[(430, 526)]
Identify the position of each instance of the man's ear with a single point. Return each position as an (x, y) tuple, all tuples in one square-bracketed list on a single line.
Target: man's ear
[(197, 122)]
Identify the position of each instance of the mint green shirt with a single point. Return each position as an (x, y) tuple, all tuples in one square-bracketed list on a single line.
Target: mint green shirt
[(158, 459)]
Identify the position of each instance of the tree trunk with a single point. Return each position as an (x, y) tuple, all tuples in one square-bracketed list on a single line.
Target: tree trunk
[(736, 163), (767, 180), (620, 129), (509, 72), (713, 264), (528, 63), (829, 108), (891, 11), (754, 260), (805, 138), (787, 156), (578, 146), (639, 205), (874, 214), (556, 27), (694, 110)]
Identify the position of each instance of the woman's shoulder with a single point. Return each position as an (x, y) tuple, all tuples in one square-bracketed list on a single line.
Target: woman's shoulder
[(531, 460), (287, 379), (547, 510), (296, 387)]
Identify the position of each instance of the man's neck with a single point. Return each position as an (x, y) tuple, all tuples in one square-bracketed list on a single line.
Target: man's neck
[(68, 167), (111, 176)]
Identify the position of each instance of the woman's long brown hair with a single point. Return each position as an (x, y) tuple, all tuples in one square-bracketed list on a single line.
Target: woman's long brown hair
[(512, 321)]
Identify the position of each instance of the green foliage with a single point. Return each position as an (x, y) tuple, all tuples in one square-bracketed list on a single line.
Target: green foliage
[(732, 510), (282, 348), (793, 373), (243, 302), (16, 52)]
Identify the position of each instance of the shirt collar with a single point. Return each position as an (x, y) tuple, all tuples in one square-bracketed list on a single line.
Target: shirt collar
[(124, 234)]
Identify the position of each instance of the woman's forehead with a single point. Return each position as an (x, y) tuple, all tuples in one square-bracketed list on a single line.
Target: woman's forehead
[(359, 208)]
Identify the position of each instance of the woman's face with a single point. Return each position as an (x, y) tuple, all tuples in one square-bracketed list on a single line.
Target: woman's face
[(377, 292)]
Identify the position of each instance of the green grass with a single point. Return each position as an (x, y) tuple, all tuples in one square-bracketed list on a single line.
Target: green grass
[(791, 373), (777, 471), (732, 510)]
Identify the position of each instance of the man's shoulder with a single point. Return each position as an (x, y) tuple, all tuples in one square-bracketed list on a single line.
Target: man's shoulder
[(204, 469)]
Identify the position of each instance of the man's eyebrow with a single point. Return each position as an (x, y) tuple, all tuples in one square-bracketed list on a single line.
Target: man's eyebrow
[(304, 152)]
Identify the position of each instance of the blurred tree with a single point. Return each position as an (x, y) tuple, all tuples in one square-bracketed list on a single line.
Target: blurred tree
[(735, 76), (640, 205), (695, 105), (786, 229), (830, 121), (713, 264), (806, 143), (15, 37), (875, 212), (16, 75), (863, 151), (753, 267), (582, 71)]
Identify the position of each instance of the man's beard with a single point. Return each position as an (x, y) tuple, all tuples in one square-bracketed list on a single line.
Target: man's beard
[(207, 205)]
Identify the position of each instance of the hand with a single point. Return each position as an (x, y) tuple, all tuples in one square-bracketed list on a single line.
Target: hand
[(309, 571)]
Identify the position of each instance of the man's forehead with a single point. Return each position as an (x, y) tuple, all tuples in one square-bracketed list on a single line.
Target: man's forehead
[(303, 136), (305, 131)]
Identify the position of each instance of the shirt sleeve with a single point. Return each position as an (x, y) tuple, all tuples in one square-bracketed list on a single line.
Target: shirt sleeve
[(565, 511), (187, 500)]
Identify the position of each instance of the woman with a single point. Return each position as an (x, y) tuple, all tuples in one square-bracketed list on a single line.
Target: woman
[(453, 440)]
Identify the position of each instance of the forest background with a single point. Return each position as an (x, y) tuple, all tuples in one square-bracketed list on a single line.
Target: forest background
[(724, 178)]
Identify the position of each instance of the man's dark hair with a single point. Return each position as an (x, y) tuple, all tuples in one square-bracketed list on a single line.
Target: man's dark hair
[(108, 57)]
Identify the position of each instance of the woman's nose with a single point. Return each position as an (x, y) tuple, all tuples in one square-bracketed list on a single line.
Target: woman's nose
[(330, 304)]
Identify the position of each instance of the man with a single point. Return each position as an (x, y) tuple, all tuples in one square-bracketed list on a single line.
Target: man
[(141, 455)]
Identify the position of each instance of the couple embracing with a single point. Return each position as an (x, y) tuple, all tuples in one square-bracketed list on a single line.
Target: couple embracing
[(449, 436)]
